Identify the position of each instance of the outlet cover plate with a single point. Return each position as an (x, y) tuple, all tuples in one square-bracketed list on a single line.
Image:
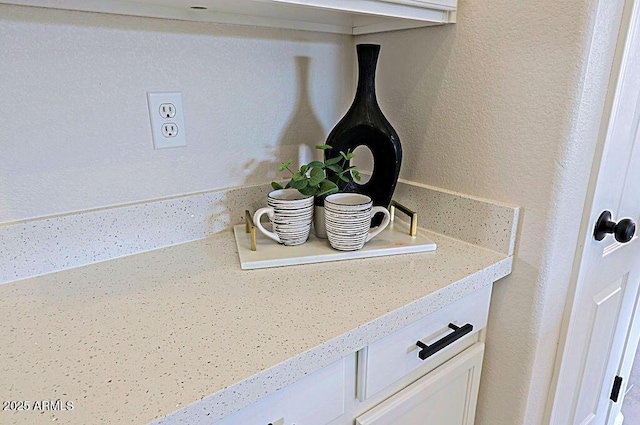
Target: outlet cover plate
[(156, 102)]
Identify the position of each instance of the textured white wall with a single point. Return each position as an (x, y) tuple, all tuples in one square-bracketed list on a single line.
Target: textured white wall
[(500, 106), (75, 127)]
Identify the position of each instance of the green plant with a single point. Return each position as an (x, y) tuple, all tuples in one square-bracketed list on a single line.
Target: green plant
[(312, 179)]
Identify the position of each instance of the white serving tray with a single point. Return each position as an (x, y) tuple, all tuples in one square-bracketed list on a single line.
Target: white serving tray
[(393, 240)]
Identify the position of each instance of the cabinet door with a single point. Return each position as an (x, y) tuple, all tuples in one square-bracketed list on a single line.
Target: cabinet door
[(315, 400), (446, 396)]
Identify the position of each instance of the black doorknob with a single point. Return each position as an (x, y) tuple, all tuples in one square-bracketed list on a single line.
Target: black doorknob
[(623, 230)]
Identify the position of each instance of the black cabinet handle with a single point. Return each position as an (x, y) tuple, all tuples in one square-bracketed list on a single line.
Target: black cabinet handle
[(458, 332)]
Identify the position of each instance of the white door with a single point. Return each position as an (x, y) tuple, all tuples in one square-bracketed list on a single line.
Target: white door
[(606, 295), (445, 396)]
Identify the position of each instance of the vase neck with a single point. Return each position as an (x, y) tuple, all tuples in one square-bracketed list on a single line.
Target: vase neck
[(367, 62)]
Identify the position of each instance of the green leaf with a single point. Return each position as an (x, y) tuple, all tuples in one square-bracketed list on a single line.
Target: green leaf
[(343, 178), (309, 190), (353, 167), (315, 164), (327, 188), (356, 175), (285, 165), (299, 184), (304, 169), (298, 176), (276, 186), (333, 160), (334, 179), (347, 156), (288, 186), (323, 147), (316, 176), (335, 168)]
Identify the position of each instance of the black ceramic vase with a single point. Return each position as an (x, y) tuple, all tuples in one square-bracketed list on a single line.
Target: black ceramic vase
[(365, 124)]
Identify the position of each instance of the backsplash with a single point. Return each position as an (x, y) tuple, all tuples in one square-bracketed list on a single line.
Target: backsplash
[(478, 221), (47, 245), (41, 246)]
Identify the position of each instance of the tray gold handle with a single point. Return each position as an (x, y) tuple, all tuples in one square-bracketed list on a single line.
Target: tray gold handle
[(249, 227), (413, 228)]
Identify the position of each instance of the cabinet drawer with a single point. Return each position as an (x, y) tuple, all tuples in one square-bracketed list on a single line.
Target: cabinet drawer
[(395, 356), (446, 395), (314, 400)]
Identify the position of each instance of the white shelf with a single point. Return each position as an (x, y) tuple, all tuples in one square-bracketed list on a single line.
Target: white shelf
[(334, 16)]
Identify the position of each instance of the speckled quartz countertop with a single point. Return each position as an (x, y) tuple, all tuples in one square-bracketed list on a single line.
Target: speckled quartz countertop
[(133, 339), (140, 313)]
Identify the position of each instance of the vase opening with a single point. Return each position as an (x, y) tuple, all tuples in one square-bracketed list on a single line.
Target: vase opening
[(363, 160)]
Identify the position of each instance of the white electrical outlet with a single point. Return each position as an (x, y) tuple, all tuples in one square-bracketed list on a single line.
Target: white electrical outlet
[(167, 110), (167, 120), (169, 130)]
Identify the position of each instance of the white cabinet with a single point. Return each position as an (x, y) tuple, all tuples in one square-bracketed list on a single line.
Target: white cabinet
[(314, 400), (387, 383), (333, 16), (397, 355), (400, 383), (446, 396)]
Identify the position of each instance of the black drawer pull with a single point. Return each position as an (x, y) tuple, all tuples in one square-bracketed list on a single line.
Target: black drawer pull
[(458, 332)]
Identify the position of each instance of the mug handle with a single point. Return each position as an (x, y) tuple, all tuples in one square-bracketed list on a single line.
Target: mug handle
[(256, 220), (385, 222)]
